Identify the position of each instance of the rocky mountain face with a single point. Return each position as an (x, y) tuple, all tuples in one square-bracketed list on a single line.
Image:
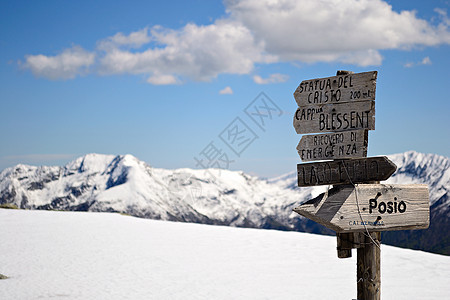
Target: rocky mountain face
[(124, 184)]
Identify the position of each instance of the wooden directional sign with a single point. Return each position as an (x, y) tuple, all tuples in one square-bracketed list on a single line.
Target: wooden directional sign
[(335, 117), (345, 171), (337, 89), (342, 109), (346, 144), (377, 207)]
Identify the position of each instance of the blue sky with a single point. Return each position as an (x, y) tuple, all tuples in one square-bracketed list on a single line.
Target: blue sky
[(168, 81)]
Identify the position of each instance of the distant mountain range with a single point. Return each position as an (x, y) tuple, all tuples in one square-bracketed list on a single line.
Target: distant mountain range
[(107, 183)]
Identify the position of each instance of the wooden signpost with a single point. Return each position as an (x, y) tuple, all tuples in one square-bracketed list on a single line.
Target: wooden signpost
[(382, 207), (349, 171), (346, 87), (342, 109), (345, 144), (335, 117)]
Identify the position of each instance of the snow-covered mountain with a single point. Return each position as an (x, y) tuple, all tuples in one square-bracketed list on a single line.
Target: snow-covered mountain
[(125, 184)]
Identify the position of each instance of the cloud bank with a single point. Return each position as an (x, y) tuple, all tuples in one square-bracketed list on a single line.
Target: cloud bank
[(253, 32), (66, 65)]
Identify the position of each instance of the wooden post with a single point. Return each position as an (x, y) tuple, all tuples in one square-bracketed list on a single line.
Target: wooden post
[(368, 268), (344, 245), (346, 241)]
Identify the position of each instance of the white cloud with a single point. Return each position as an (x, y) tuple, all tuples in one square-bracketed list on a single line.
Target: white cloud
[(273, 78), (362, 58), (157, 79), (425, 61), (254, 32), (67, 65), (196, 52), (350, 31), (443, 16), (226, 91), (133, 40)]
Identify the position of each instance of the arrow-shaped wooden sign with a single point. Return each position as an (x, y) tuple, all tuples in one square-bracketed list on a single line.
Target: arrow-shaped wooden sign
[(337, 89), (336, 145), (377, 207), (335, 117), (361, 170)]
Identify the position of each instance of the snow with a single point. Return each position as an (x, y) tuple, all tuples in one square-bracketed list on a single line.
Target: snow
[(85, 255), (93, 162), (122, 183)]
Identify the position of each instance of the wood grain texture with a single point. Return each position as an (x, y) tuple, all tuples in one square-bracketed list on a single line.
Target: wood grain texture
[(368, 271), (360, 170), (337, 89), (346, 241), (382, 207), (346, 144), (323, 118)]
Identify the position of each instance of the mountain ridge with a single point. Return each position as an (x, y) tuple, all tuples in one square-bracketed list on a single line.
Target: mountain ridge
[(123, 183)]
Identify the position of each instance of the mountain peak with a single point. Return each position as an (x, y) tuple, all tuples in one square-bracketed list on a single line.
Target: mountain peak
[(98, 163), (92, 162)]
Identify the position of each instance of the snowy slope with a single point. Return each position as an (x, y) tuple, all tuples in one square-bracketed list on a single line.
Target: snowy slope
[(78, 255), (125, 184)]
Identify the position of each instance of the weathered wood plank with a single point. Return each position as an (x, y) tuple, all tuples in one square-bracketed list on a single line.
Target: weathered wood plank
[(335, 117), (368, 272), (346, 241), (361, 170), (346, 144), (337, 89), (382, 207)]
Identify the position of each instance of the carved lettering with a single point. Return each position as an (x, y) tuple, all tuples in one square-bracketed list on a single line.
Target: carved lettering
[(390, 207), (337, 89), (346, 171), (335, 117)]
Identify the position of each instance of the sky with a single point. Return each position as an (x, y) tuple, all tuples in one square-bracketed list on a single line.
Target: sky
[(209, 83)]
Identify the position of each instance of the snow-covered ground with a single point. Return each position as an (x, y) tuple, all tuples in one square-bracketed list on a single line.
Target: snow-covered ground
[(79, 255)]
